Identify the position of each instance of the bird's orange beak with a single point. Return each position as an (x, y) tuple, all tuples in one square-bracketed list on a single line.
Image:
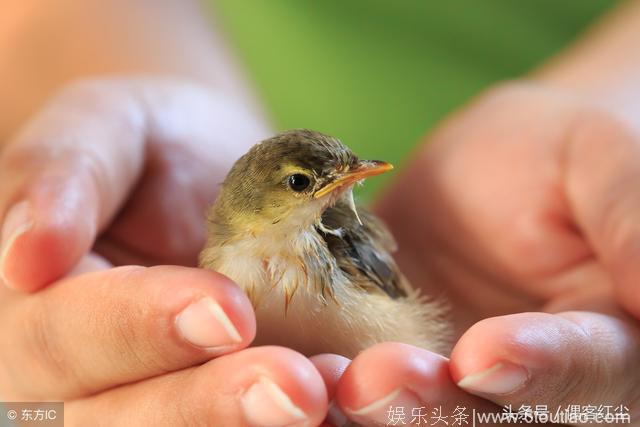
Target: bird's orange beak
[(364, 169)]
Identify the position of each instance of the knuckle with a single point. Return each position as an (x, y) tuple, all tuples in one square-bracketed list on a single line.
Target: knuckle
[(201, 404), (43, 345), (96, 99), (129, 338), (595, 353), (581, 368), (188, 414), (56, 133), (133, 326), (143, 326)]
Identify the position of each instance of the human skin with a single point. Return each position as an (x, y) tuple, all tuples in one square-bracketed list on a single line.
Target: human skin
[(133, 158), (525, 222), (521, 208), (495, 183)]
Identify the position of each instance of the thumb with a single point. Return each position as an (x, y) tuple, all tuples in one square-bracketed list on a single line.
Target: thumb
[(557, 361)]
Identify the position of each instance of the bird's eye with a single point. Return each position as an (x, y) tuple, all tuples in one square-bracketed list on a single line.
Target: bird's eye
[(299, 182)]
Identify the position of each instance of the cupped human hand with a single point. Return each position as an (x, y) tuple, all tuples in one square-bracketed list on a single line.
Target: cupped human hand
[(161, 345), (522, 210), (118, 172), (124, 166)]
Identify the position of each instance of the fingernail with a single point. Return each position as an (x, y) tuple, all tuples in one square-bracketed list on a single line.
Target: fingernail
[(501, 378), (17, 222), (379, 411), (205, 324), (265, 404)]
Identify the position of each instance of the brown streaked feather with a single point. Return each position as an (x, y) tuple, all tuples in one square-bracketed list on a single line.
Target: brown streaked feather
[(364, 251)]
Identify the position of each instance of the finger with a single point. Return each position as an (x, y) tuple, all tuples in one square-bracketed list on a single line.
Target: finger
[(63, 178), (194, 137), (331, 367), (602, 180), (69, 173), (571, 358), (102, 329), (262, 386), (409, 381)]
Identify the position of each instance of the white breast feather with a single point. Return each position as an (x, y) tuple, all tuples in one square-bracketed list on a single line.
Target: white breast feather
[(344, 323)]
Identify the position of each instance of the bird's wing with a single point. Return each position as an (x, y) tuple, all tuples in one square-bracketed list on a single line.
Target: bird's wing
[(363, 252)]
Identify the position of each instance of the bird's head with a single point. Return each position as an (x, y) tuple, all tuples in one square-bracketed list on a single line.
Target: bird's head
[(289, 180)]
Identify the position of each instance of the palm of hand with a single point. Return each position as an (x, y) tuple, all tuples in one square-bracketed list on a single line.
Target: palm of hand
[(506, 210)]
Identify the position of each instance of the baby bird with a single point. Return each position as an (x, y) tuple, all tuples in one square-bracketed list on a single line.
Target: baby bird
[(317, 269)]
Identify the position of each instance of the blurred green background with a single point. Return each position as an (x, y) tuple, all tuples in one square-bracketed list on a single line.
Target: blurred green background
[(378, 74)]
